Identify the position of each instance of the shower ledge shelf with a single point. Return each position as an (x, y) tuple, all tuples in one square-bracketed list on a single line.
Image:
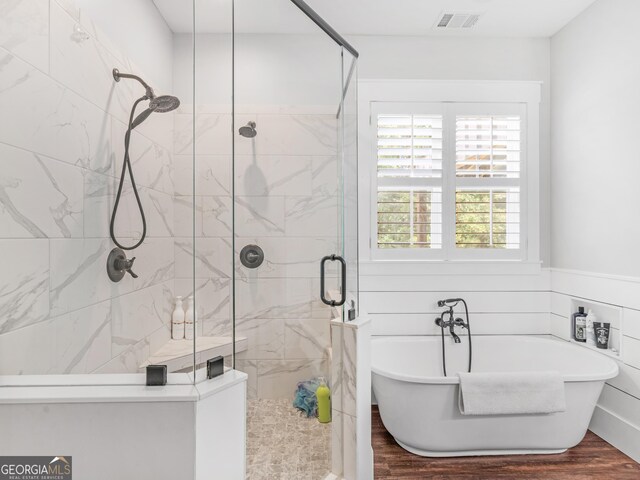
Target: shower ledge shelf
[(178, 354)]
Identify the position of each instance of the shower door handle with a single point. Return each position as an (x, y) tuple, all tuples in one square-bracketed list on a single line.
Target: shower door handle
[(343, 286)]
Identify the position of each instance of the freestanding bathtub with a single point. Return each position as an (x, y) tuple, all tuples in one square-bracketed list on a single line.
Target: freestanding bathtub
[(419, 406)]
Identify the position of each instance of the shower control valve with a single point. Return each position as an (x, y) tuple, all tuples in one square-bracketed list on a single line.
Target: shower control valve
[(127, 265), (118, 265)]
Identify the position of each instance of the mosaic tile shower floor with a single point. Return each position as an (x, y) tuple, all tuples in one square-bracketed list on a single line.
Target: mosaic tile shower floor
[(283, 444)]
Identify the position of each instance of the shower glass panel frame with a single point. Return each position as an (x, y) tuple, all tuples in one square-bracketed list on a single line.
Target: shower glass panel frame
[(348, 209)]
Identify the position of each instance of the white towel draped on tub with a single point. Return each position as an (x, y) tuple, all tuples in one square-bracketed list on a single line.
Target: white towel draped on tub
[(511, 393)]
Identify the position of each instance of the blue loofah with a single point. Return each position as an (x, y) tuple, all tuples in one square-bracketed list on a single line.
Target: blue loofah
[(305, 397)]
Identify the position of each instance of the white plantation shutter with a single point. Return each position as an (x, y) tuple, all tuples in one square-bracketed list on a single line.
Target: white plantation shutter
[(487, 170), (449, 182), (410, 218), (409, 171), (488, 218), (488, 146), (410, 146)]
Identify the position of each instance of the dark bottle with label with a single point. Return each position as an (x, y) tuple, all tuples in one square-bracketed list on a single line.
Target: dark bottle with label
[(579, 325)]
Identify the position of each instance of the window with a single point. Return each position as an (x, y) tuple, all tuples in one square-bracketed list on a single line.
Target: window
[(449, 180)]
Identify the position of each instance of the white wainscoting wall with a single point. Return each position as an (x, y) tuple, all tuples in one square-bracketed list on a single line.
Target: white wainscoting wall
[(503, 299), (617, 416)]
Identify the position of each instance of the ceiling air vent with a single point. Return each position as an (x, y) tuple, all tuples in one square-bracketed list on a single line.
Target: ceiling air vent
[(457, 20)]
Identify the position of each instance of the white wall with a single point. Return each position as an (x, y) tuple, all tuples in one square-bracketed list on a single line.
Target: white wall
[(596, 166), (401, 297), (595, 217), (137, 29), (269, 69), (449, 58)]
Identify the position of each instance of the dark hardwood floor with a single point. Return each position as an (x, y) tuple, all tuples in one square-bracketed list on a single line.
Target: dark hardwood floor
[(593, 459)]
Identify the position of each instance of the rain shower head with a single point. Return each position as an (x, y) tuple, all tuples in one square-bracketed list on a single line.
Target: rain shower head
[(249, 130)]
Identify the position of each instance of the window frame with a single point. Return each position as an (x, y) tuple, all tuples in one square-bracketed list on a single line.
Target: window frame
[(454, 98)]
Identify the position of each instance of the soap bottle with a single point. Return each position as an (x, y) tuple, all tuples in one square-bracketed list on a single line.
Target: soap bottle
[(189, 319), (177, 321), (591, 332), (323, 395), (578, 325)]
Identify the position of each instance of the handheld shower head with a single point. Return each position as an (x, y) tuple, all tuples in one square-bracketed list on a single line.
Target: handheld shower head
[(164, 103), (448, 302), (141, 118), (161, 104), (249, 130)]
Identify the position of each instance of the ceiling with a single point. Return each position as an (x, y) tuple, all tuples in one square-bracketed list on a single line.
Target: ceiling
[(499, 18)]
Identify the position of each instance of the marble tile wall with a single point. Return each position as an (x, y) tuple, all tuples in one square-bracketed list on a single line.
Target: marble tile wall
[(286, 185), (351, 455), (62, 124)]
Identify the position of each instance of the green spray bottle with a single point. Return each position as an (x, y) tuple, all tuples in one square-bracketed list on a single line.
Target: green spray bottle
[(323, 395)]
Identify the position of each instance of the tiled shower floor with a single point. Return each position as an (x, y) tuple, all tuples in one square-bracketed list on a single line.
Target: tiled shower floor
[(283, 444)]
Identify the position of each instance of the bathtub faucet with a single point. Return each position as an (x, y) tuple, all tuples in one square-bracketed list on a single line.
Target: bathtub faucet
[(451, 323)]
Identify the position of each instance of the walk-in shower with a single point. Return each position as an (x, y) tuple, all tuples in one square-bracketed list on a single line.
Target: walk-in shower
[(92, 174)]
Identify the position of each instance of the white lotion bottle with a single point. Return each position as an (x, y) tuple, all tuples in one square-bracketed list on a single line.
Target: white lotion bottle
[(177, 320), (591, 333), (189, 320)]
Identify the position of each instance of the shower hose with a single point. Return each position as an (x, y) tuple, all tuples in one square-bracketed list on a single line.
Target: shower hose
[(444, 359), (126, 166)]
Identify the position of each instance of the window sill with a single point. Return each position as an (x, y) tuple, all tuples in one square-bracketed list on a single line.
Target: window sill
[(450, 267)]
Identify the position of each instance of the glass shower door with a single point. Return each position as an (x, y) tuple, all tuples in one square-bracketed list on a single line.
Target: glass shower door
[(287, 216), (286, 198)]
